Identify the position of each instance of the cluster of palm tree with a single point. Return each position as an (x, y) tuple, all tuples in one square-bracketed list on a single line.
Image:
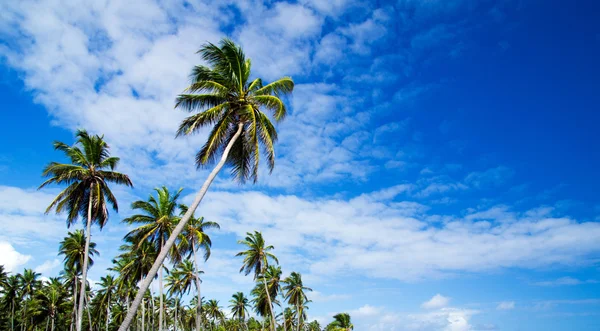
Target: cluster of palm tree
[(166, 235)]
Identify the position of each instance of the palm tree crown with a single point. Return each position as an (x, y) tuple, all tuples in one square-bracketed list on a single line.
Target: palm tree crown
[(73, 248), (257, 256), (228, 99), (87, 176)]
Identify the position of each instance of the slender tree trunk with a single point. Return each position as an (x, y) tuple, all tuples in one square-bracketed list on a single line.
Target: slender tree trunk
[(299, 314), (270, 304), (52, 327), (87, 307), (175, 320), (107, 311), (143, 305), (199, 305), (85, 261), (47, 323), (160, 290), (165, 250), (74, 314), (12, 316)]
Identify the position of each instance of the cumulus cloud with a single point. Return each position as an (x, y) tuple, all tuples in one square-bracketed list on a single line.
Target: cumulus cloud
[(437, 301), (47, 266), (10, 258), (345, 234)]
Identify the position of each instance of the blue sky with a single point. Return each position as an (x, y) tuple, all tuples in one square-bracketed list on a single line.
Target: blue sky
[(438, 170)]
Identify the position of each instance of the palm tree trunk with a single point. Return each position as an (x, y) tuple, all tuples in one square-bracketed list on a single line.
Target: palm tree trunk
[(74, 314), (299, 314), (199, 305), (87, 307), (270, 304), (160, 292), (143, 306), (175, 320), (165, 250), (52, 327), (88, 236), (12, 316), (107, 311)]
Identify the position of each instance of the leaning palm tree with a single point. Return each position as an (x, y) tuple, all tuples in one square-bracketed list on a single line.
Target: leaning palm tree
[(239, 306), (87, 194), (156, 223), (192, 238), (256, 259), (295, 293), (233, 105)]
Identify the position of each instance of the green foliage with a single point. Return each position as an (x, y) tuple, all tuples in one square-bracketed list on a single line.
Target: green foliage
[(226, 98)]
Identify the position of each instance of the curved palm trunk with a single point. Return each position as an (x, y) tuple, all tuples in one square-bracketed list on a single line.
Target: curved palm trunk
[(199, 305), (164, 251), (270, 304), (85, 261)]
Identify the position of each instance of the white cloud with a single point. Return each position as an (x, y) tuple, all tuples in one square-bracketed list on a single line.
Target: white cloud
[(10, 258), (47, 266), (437, 301), (345, 234), (366, 311), (565, 281), (506, 305)]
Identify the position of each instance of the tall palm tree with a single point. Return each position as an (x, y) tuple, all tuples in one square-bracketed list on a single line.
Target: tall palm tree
[(87, 194), (295, 293), (156, 224), (233, 105), (341, 322), (73, 248), (256, 260), (174, 289), (192, 238), (10, 297), (29, 283), (239, 306), (108, 287)]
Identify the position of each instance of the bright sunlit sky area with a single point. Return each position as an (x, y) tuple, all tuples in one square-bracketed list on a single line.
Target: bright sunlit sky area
[(438, 169)]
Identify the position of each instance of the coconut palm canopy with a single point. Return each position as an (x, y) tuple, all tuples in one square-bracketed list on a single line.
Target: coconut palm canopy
[(225, 96)]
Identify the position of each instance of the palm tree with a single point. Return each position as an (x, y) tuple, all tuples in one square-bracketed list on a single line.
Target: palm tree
[(193, 236), (213, 311), (233, 105), (294, 293), (73, 248), (156, 225), (313, 326), (87, 193), (10, 297), (256, 259), (108, 287), (239, 306), (341, 322)]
